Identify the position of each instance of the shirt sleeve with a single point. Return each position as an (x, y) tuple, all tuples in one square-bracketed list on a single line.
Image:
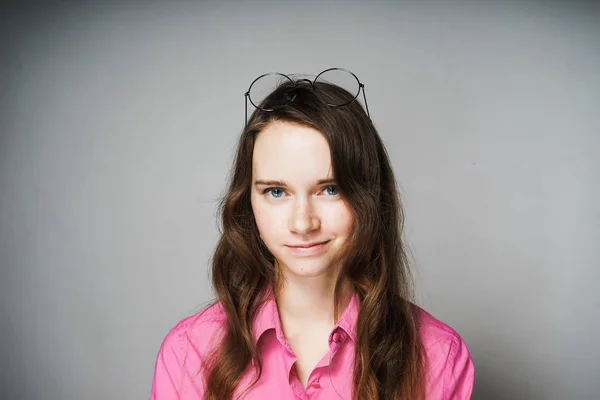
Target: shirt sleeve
[(459, 372), (168, 372)]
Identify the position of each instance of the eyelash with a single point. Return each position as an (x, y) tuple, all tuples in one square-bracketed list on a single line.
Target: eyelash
[(268, 190)]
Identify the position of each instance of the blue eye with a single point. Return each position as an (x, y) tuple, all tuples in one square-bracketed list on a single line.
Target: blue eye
[(275, 192), (332, 190)]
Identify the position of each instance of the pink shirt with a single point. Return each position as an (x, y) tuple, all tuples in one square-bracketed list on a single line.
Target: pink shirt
[(450, 371)]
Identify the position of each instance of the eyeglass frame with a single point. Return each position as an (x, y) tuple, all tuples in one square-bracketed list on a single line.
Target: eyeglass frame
[(361, 88)]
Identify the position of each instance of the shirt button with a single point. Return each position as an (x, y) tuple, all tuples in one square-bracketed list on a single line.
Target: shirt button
[(337, 337), (315, 384)]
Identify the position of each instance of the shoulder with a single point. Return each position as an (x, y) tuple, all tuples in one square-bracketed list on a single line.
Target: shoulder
[(450, 370), (197, 330), (435, 333), (183, 352)]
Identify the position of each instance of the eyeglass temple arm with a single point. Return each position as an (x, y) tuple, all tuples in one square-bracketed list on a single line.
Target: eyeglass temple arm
[(246, 108), (365, 99)]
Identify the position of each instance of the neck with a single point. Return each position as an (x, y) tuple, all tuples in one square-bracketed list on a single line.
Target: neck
[(311, 299)]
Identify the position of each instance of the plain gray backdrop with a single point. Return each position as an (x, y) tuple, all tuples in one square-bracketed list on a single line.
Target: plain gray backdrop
[(118, 122)]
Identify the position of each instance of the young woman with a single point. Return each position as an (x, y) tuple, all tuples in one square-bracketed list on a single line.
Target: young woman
[(311, 277)]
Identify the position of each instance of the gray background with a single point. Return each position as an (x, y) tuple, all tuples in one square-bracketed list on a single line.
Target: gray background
[(117, 129)]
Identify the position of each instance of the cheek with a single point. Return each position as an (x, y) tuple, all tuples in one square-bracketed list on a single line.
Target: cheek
[(266, 221), (340, 220)]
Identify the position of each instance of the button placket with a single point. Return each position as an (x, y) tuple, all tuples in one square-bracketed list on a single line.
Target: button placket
[(298, 389)]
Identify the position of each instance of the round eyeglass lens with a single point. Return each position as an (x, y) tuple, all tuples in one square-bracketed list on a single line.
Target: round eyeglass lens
[(341, 78), (265, 85)]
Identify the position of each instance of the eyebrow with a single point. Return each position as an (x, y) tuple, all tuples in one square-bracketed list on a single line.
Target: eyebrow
[(262, 182)]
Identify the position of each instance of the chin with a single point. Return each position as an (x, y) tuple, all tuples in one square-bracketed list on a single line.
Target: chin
[(306, 268)]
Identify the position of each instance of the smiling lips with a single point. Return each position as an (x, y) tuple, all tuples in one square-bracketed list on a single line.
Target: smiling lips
[(308, 249)]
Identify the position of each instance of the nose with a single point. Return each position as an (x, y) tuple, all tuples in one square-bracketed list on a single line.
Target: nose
[(303, 219)]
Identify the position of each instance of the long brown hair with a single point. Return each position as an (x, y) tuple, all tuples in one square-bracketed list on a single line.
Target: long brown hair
[(389, 358)]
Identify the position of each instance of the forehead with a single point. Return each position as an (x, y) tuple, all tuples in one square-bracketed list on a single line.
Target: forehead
[(286, 151)]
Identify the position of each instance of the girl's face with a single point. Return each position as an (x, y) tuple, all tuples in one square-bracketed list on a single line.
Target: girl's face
[(301, 217)]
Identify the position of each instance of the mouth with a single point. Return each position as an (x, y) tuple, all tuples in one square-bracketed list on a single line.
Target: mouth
[(308, 249), (307, 245)]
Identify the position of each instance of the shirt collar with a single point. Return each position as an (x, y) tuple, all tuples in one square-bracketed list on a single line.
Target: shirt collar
[(267, 317), (347, 320)]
